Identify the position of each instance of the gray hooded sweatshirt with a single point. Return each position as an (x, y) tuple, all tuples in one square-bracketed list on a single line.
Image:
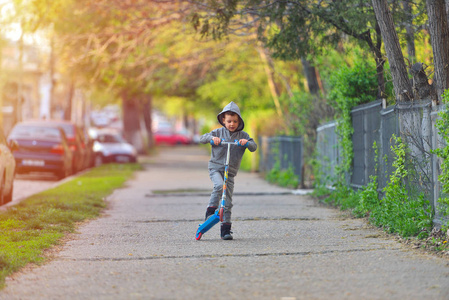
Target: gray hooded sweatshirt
[(218, 153)]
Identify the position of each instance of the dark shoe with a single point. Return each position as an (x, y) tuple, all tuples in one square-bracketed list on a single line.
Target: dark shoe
[(210, 211), (226, 231)]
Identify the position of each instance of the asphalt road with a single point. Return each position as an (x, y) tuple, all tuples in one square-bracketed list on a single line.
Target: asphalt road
[(285, 247)]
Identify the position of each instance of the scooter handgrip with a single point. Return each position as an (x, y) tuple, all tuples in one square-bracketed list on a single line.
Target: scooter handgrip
[(238, 143)]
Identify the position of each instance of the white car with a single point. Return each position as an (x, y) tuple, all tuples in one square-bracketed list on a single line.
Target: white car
[(111, 147), (7, 168)]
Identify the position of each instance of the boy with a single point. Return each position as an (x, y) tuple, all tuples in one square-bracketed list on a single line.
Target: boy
[(233, 124)]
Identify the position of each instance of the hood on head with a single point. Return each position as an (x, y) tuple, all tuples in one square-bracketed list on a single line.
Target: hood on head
[(234, 108)]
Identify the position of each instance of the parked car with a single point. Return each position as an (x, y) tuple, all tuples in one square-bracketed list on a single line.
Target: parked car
[(110, 146), (41, 148), (74, 137), (7, 168), (170, 137)]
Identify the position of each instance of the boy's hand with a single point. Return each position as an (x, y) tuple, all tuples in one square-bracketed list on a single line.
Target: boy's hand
[(216, 141), (243, 142)]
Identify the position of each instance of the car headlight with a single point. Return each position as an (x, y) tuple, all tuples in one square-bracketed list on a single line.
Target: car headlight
[(97, 147)]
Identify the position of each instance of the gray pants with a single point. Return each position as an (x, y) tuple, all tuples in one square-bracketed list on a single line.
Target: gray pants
[(215, 197)]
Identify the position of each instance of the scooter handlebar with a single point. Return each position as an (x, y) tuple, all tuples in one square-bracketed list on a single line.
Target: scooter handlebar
[(223, 142)]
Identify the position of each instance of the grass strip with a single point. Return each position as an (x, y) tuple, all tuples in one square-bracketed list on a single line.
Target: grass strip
[(40, 221)]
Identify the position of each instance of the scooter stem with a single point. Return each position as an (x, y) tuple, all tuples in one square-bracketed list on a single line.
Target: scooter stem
[(228, 154)]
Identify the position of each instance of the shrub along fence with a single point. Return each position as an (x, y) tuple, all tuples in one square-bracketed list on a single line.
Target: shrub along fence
[(286, 151), (414, 122)]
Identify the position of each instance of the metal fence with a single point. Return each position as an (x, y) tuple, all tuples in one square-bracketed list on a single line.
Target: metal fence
[(415, 125), (285, 150), (366, 124), (327, 152), (437, 142), (413, 122), (388, 127)]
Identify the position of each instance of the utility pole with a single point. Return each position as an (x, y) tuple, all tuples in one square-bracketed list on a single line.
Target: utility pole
[(47, 87), (52, 74), (18, 112)]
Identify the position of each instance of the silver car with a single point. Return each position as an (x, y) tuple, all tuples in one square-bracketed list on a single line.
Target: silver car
[(110, 147)]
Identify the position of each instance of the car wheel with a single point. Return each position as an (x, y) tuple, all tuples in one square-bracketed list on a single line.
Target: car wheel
[(65, 172), (98, 160)]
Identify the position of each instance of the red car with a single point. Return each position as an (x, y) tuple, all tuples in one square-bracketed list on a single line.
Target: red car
[(74, 137), (169, 137), (41, 148)]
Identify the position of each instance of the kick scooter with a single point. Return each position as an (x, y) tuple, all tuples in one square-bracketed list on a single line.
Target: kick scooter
[(218, 215)]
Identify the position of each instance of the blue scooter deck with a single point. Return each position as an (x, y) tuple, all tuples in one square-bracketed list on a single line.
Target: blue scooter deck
[(208, 224)]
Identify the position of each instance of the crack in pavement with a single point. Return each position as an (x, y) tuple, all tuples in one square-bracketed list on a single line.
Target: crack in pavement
[(208, 194), (235, 219), (272, 254)]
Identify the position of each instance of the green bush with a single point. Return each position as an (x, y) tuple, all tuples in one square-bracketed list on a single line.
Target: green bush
[(443, 130), (399, 211), (368, 198), (285, 178), (349, 86)]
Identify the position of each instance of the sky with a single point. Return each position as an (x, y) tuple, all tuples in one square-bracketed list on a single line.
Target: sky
[(12, 31)]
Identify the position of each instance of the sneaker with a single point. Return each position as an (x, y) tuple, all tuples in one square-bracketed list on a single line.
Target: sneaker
[(210, 211), (226, 233)]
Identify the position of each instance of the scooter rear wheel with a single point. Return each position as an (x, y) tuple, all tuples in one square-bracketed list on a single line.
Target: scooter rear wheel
[(199, 235), (221, 212)]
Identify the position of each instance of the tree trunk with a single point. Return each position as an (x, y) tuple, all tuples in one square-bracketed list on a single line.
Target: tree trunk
[(410, 33), (131, 122), (447, 10), (271, 83), (376, 48), (310, 73), (147, 110), (69, 102), (439, 37), (380, 61), (401, 82)]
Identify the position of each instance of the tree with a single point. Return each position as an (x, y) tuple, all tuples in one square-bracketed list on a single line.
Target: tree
[(439, 36), (120, 46), (438, 28), (300, 29), (410, 32), (401, 82)]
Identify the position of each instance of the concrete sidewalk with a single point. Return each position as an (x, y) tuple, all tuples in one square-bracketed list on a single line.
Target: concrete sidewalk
[(285, 247)]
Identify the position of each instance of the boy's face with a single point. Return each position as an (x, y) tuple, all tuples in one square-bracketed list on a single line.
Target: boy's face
[(231, 122)]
